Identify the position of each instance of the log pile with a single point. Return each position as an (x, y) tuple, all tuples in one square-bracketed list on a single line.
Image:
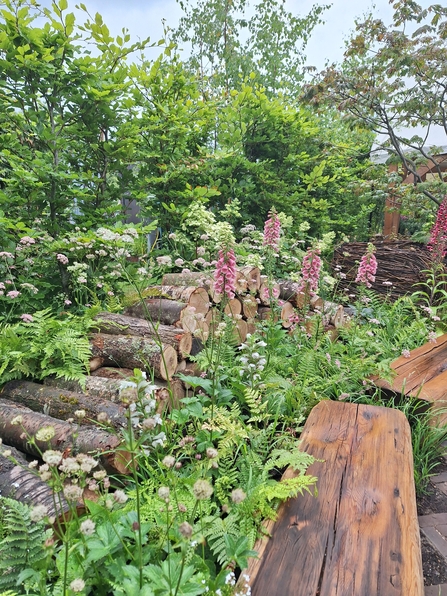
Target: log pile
[(400, 266)]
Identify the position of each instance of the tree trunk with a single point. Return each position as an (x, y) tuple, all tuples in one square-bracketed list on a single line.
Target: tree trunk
[(61, 403), (253, 277), (115, 324), (18, 482), (194, 297), (167, 312), (67, 436), (133, 352)]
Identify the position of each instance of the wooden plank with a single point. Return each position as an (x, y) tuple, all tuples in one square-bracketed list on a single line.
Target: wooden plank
[(360, 536)]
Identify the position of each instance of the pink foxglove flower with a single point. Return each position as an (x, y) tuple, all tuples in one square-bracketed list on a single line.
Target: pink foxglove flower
[(272, 230), (368, 267), (310, 272), (437, 244), (225, 273)]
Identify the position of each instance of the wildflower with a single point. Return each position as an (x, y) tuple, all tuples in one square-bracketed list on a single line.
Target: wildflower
[(406, 353), (103, 417), (99, 475), (120, 497), (169, 461), (163, 492), (72, 492), (225, 273), (52, 458), (80, 414), (272, 230), (200, 251), (164, 260), (237, 496), (438, 236), (230, 579), (77, 585), (432, 337), (46, 433), (178, 262), (69, 465), (211, 453), (202, 490), (310, 271), (62, 259), (17, 420), (33, 464), (172, 236), (27, 240), (67, 302), (27, 318), (7, 255), (13, 294), (368, 267), (87, 527), (185, 529), (148, 424)]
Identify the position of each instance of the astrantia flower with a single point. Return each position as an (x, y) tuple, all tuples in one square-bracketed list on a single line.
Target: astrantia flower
[(87, 527), (77, 585), (120, 497), (13, 294), (185, 529), (272, 231), (52, 458), (27, 318), (27, 240), (202, 490), (225, 273), (62, 259), (72, 492), (164, 260), (368, 267), (38, 513), (237, 496), (46, 433)]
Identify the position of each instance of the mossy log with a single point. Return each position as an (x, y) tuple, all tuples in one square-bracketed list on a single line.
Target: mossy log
[(18, 482), (62, 403), (133, 352), (116, 324), (165, 311), (67, 436)]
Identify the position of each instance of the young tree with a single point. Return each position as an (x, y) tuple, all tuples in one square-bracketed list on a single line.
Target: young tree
[(393, 79), (227, 45)]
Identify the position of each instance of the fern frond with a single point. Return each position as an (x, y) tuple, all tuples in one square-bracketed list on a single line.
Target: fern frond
[(287, 488)]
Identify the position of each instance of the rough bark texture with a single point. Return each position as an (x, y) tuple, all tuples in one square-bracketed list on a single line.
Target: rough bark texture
[(18, 482), (97, 386), (167, 312), (249, 306), (288, 290), (115, 324), (62, 403), (195, 278), (134, 352), (112, 372), (66, 436)]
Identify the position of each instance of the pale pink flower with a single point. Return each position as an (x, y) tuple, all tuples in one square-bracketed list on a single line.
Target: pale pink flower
[(225, 273), (310, 272), (13, 294), (67, 302), (7, 255), (368, 267), (406, 353), (432, 337), (272, 231), (62, 259), (27, 318), (27, 240)]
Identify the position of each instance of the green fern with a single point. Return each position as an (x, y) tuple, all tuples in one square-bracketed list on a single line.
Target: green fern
[(298, 460), (22, 544), (258, 408), (287, 488), (215, 531)]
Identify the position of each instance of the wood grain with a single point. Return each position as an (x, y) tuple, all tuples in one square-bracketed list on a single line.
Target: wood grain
[(360, 535)]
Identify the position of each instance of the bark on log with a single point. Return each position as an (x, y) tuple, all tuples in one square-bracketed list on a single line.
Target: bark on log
[(66, 436), (287, 311), (175, 393), (62, 403), (108, 389), (194, 278), (112, 372), (251, 326), (167, 312), (115, 324), (316, 303), (241, 283), (202, 332), (194, 297), (240, 331), (134, 352), (19, 483), (253, 277), (249, 306), (289, 290), (264, 313)]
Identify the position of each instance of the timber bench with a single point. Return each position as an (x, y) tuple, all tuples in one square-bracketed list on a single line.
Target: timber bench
[(359, 536)]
